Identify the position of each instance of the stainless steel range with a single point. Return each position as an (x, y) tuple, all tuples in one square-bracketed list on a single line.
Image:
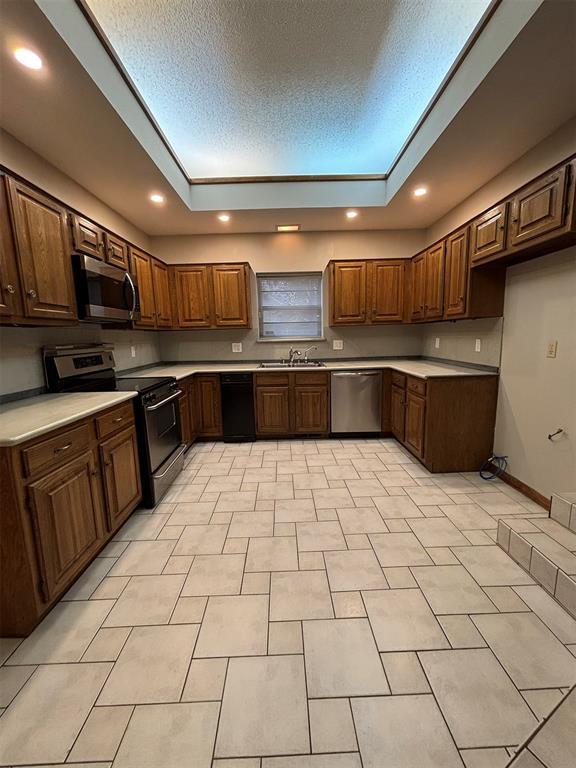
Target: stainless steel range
[(91, 369)]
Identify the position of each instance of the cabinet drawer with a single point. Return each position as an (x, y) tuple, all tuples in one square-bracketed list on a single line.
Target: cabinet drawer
[(417, 385), (398, 379), (114, 420), (307, 378), (272, 380), (55, 450)]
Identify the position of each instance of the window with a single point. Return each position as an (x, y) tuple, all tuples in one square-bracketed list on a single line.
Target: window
[(290, 305)]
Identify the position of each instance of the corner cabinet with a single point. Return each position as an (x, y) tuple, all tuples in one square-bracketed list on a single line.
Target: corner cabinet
[(367, 292)]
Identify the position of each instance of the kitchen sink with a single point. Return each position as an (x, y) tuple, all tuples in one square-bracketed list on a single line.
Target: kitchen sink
[(286, 364)]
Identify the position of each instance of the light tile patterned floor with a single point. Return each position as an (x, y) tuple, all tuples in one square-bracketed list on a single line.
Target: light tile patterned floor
[(296, 604)]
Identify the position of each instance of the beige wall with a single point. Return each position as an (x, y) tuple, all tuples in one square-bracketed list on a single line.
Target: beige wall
[(538, 394), (457, 341), (21, 358), (21, 160)]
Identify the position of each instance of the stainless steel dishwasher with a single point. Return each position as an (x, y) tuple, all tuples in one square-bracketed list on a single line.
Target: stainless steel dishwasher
[(356, 398)]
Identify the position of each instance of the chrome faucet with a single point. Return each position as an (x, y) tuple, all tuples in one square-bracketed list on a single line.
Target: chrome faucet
[(305, 353), (292, 354)]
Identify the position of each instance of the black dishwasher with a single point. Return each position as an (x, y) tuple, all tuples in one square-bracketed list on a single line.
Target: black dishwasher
[(237, 407)]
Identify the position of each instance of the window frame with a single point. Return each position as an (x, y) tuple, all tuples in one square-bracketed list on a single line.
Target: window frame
[(278, 275)]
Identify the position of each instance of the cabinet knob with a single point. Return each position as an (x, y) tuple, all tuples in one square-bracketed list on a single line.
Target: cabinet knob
[(100, 246), (10, 289), (32, 293)]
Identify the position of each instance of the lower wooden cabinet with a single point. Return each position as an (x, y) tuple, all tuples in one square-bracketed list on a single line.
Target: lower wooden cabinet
[(273, 410), (121, 475), (446, 422), (67, 516), (208, 405), (187, 403), (311, 409), (64, 495), (292, 403), (397, 413)]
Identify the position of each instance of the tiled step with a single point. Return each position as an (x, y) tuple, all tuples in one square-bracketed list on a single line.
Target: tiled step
[(563, 509), (553, 742), (547, 552)]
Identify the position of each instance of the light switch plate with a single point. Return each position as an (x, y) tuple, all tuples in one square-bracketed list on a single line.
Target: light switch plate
[(552, 348), (236, 346), (338, 344), (437, 342), (132, 351), (478, 345)]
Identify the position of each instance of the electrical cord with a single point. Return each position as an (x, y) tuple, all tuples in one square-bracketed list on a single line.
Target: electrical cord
[(494, 467)]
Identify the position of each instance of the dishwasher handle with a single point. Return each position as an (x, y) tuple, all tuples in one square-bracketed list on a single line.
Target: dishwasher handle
[(357, 373)]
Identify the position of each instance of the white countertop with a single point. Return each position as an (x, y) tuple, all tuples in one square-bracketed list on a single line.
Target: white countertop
[(421, 368), (24, 419)]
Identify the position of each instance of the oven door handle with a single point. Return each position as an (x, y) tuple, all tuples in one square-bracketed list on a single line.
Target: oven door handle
[(133, 291), (163, 402), (180, 450)]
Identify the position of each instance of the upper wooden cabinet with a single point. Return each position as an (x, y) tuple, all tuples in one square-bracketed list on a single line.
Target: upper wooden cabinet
[(87, 237), (141, 264), (116, 251), (457, 270), (428, 284), (10, 289), (368, 291), (539, 208), (192, 294), (43, 250), (162, 294), (347, 292), (386, 284), (231, 295), (488, 233), (212, 295)]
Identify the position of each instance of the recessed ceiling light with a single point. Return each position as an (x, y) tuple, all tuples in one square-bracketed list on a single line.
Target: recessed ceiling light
[(420, 191), (287, 227), (351, 214), (28, 58), (155, 197), (224, 217)]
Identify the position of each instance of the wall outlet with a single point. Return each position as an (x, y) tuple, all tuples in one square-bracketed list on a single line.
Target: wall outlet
[(437, 342), (338, 344), (478, 345), (132, 350), (236, 346), (552, 348)]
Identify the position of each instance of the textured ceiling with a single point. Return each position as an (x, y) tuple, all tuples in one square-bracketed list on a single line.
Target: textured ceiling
[(287, 87)]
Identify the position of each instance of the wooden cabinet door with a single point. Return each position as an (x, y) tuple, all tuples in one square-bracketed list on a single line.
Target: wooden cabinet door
[(386, 281), (142, 270), (488, 233), (119, 456), (185, 421), (10, 291), (208, 405), (67, 517), (310, 410), (415, 422), (538, 208), (162, 296), (116, 251), (192, 291), (434, 283), (457, 274), (87, 237), (348, 292), (231, 296), (397, 413), (418, 286), (44, 251), (273, 410)]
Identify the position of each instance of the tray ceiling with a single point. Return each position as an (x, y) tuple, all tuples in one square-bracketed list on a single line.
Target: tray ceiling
[(278, 88)]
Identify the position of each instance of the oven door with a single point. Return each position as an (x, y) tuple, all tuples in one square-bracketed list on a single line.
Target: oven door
[(104, 293), (162, 424)]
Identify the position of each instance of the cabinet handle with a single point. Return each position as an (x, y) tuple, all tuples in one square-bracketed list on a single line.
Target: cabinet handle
[(62, 448), (10, 289), (32, 293), (100, 246), (117, 419)]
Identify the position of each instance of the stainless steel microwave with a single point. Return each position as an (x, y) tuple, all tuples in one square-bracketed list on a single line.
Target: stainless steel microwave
[(105, 294)]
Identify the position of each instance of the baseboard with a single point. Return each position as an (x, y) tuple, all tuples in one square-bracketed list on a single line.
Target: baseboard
[(532, 494)]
